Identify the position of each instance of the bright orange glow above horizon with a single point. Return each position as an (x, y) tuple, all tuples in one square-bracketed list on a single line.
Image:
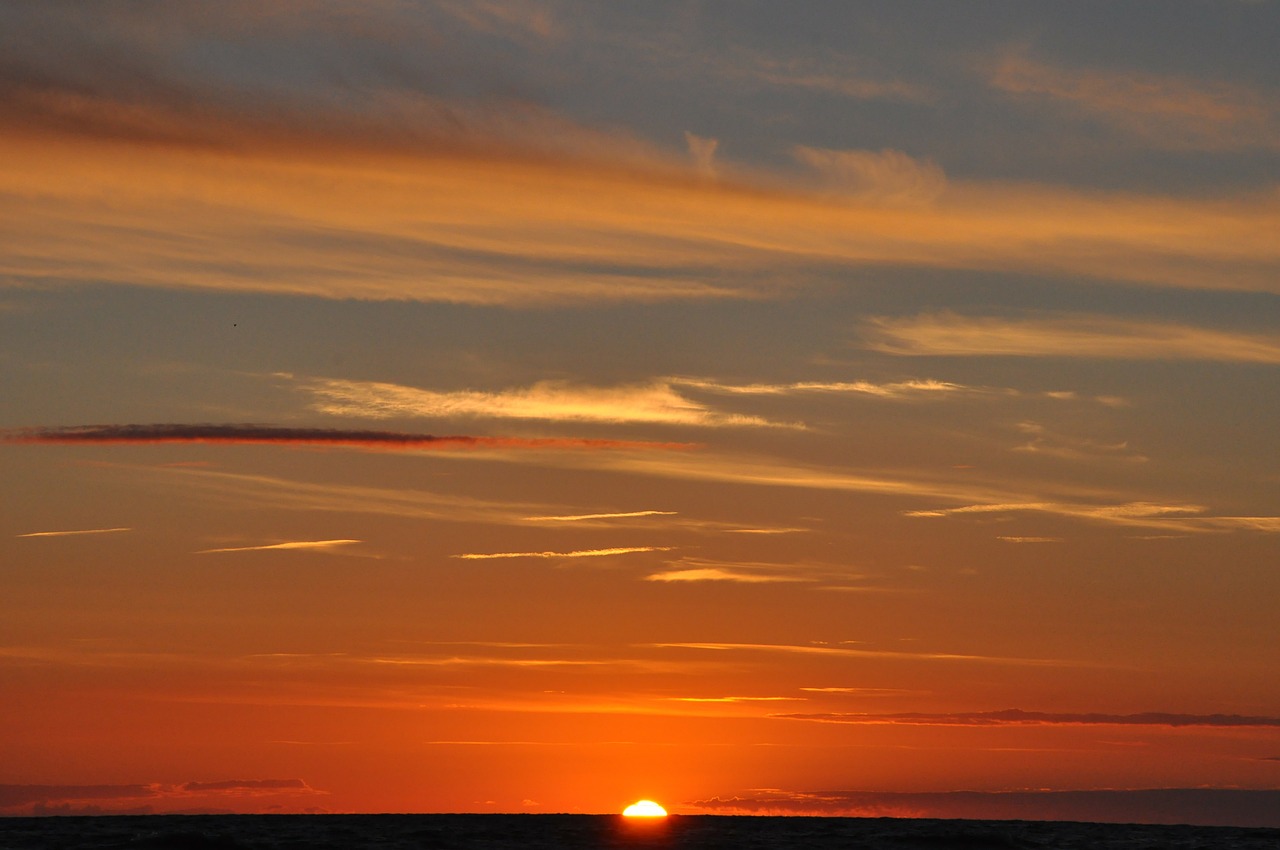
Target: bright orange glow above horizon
[(517, 406)]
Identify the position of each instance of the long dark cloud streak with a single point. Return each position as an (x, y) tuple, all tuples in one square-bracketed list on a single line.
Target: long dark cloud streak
[(271, 435)]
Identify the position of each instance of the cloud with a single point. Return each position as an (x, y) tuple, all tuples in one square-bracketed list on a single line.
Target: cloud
[(859, 691), (242, 794), (479, 224), (737, 699), (142, 74), (382, 170), (664, 519), (15, 796), (1200, 806), (264, 491), (1018, 717), (1162, 111), (1136, 511), (852, 652), (1269, 524), (703, 152), (950, 335), (322, 437), (655, 402), (313, 545), (1174, 517), (511, 18), (916, 388), (693, 569), (72, 533), (720, 574), (252, 785), (888, 176), (496, 654), (1030, 539), (583, 553), (826, 77), (584, 517), (982, 498), (1044, 441)]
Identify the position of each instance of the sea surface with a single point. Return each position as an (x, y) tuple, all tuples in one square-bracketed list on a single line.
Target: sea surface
[(694, 832)]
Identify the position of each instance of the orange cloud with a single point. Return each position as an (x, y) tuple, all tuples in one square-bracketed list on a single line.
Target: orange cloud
[(131, 169), (558, 401), (1018, 717), (582, 553), (503, 228), (1030, 539), (584, 517), (1045, 441), (1165, 111), (73, 533), (948, 334), (312, 545), (720, 574), (853, 652), (915, 388), (887, 176)]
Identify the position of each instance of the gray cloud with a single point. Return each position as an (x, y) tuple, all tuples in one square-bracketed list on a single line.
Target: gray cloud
[(1202, 806), (272, 435), (141, 798)]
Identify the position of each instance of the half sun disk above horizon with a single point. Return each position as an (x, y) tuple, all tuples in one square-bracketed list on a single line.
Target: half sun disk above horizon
[(644, 809)]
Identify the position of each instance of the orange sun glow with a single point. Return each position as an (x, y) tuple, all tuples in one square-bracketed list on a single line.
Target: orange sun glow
[(644, 809)]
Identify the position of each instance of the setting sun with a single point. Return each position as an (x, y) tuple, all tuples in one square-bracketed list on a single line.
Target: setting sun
[(644, 809)]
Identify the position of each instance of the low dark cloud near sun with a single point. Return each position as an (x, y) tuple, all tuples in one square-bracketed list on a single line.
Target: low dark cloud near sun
[(145, 798), (1203, 806)]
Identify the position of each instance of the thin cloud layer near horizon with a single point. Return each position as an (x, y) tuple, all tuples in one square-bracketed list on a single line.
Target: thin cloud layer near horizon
[(537, 405)]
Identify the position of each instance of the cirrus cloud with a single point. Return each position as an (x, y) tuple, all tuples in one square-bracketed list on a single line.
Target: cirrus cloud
[(1100, 337)]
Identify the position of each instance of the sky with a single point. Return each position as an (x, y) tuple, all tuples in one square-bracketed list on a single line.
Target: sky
[(808, 407)]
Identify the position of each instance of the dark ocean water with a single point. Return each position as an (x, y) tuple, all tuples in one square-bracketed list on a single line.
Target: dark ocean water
[(394, 832)]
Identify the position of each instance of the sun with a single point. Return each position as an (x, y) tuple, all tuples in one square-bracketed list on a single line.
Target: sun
[(644, 809)]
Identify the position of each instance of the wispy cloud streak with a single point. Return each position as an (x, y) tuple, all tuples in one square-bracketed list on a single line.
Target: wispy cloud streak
[(73, 533), (1018, 717), (852, 652), (581, 553), (721, 574), (312, 545), (1165, 111), (320, 437), (585, 517), (951, 335), (923, 388), (693, 569), (1184, 517), (654, 402)]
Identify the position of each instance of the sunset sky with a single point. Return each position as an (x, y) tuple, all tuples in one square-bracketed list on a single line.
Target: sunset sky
[(812, 407)]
